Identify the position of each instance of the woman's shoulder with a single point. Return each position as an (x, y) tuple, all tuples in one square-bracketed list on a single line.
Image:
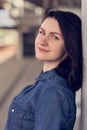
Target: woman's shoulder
[(59, 85), (58, 92), (59, 82)]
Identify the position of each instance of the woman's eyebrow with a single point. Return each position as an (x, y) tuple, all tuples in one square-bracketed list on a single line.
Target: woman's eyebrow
[(56, 33), (42, 28), (52, 32)]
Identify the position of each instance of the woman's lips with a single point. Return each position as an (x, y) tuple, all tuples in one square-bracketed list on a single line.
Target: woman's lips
[(42, 50)]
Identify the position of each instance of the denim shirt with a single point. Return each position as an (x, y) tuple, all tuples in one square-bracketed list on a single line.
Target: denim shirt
[(48, 104)]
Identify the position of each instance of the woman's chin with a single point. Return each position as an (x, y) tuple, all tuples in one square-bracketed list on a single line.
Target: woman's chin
[(39, 58)]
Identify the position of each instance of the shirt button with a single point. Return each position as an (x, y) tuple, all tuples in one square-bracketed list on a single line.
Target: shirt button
[(12, 110)]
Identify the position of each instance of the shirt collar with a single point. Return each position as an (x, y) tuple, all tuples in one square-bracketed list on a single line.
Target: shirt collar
[(47, 74)]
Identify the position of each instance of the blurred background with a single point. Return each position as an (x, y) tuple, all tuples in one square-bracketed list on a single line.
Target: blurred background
[(19, 21)]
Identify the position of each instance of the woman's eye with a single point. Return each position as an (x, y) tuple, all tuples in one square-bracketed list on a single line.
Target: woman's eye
[(41, 32), (55, 37)]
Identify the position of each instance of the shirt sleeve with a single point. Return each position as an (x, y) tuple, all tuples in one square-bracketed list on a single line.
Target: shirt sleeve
[(51, 111)]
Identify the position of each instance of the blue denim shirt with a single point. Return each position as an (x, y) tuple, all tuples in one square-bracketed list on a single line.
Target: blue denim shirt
[(48, 104)]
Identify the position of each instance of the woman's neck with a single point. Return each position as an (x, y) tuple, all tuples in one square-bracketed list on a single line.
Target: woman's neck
[(49, 65)]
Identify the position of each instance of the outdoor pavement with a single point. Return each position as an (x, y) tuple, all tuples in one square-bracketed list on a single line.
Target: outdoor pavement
[(14, 75)]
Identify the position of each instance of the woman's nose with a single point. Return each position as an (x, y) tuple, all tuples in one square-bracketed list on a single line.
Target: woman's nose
[(44, 41)]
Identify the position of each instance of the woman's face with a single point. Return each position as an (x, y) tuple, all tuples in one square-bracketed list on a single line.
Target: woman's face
[(49, 43)]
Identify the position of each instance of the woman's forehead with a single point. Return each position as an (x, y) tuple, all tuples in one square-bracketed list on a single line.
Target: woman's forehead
[(51, 24)]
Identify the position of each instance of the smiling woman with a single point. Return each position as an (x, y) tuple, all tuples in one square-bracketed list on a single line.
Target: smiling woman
[(49, 44), (49, 103)]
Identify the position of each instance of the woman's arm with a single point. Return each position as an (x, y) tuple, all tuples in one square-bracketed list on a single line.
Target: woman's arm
[(51, 111)]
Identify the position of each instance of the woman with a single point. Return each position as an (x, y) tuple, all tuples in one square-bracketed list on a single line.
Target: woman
[(49, 104)]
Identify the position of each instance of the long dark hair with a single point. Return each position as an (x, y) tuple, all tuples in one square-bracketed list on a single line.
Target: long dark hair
[(71, 67)]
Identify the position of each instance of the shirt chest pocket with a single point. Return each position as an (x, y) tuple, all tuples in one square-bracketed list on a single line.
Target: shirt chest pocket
[(21, 118)]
